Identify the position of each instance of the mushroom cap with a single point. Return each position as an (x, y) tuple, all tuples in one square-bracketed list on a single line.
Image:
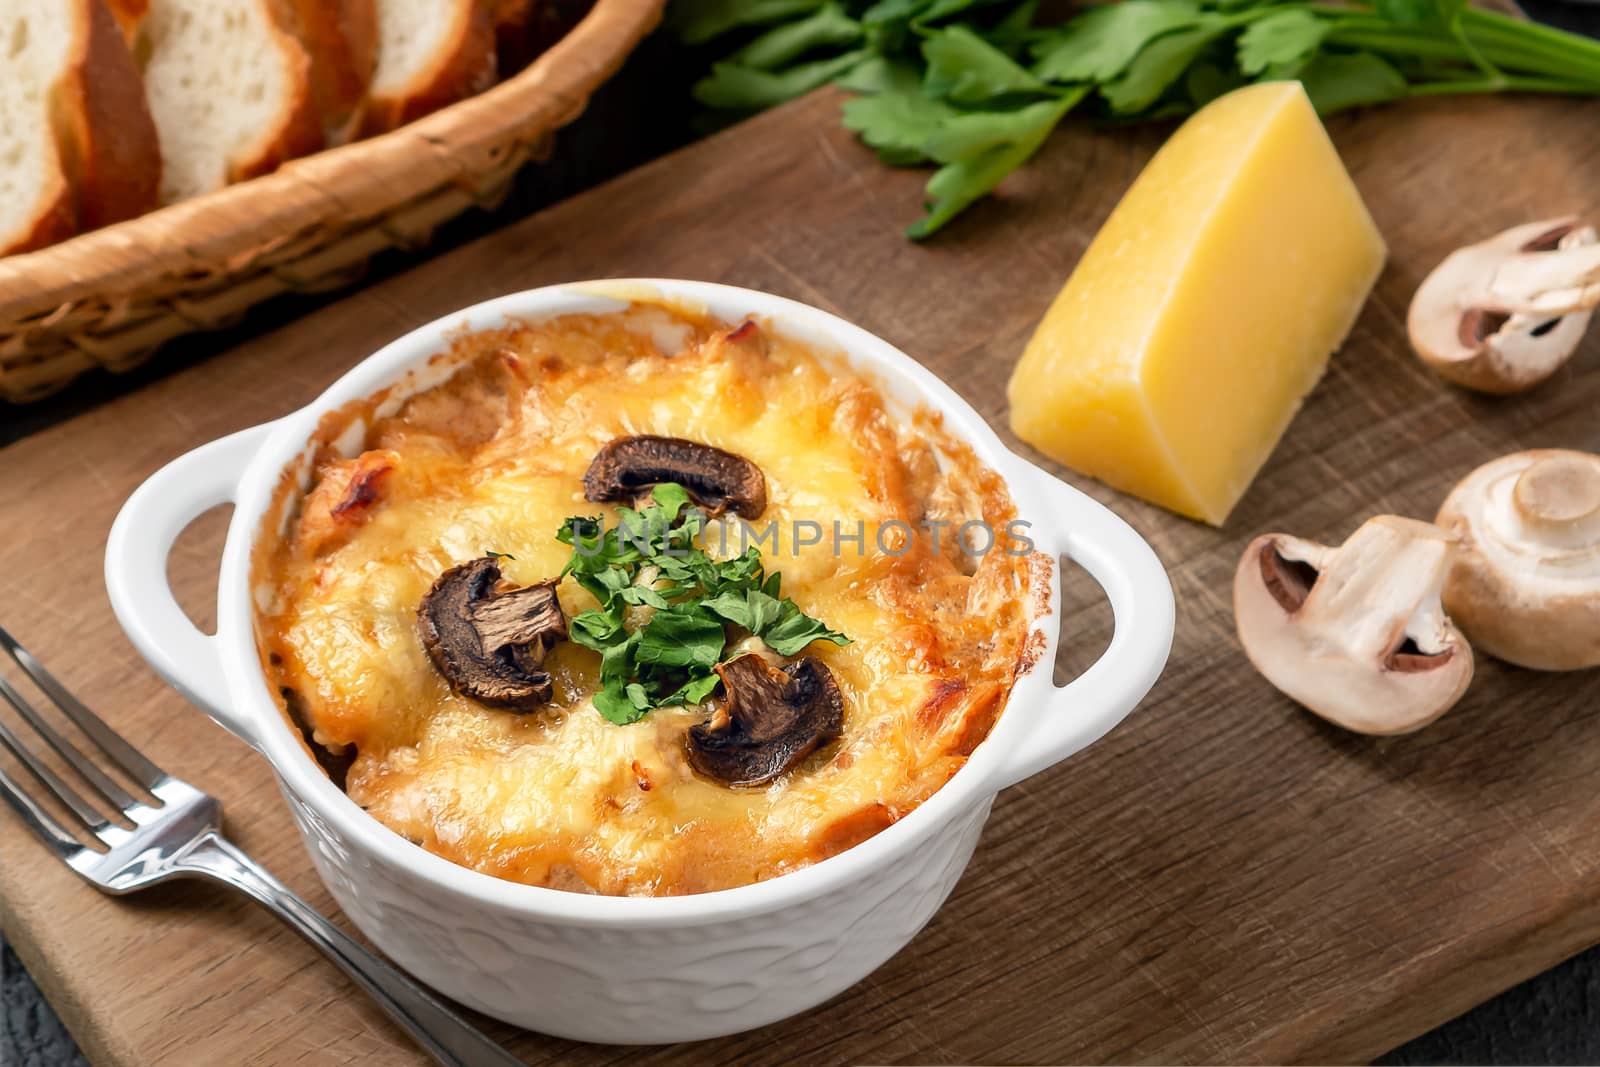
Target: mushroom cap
[(773, 718), (717, 480), (1525, 585), (1502, 315), (488, 644), (1356, 633)]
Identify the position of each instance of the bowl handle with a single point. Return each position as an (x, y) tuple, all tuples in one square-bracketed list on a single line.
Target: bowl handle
[(136, 569), (1080, 712)]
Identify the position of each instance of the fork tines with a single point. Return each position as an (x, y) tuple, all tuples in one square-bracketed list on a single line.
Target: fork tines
[(118, 751)]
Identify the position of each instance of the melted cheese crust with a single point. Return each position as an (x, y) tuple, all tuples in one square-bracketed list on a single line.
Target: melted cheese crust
[(493, 459)]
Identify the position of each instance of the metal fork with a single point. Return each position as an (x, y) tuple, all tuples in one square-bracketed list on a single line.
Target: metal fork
[(180, 836)]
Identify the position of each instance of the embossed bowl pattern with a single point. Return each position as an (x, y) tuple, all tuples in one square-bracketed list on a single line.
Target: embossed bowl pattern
[(634, 970)]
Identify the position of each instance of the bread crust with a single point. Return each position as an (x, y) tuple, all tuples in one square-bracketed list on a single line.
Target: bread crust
[(341, 38), (54, 221), (108, 163), (299, 131), (514, 31), (129, 13), (463, 66), (107, 137)]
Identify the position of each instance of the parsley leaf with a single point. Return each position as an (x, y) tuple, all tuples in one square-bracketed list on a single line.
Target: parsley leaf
[(1099, 44), (966, 69), (1207, 81), (828, 25), (695, 691), (968, 136), (897, 124), (1159, 65), (613, 704), (1335, 81), (1286, 36), (736, 87), (794, 630), (665, 605), (682, 636), (960, 182), (754, 610), (947, 81), (698, 21)]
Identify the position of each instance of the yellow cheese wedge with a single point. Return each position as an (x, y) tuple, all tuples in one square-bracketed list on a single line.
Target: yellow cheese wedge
[(1205, 309)]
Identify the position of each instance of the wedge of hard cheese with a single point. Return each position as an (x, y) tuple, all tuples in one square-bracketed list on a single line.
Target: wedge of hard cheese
[(1205, 309)]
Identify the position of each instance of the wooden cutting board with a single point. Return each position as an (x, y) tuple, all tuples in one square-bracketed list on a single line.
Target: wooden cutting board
[(1225, 878)]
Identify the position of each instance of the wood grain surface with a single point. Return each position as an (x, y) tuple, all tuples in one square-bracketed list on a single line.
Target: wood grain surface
[(1224, 878)]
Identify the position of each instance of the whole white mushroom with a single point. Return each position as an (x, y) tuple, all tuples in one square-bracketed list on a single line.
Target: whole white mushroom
[(1525, 585)]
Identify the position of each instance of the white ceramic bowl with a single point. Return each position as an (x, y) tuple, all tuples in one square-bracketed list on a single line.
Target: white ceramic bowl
[(627, 969)]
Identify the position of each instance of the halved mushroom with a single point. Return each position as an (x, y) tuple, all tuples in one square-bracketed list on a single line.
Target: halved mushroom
[(772, 719), (1503, 315), (1356, 633), (627, 468), (489, 643), (1526, 584)]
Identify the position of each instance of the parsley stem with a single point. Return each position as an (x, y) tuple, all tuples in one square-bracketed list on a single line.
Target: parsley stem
[(1503, 40), (1553, 50), (1501, 83), (1495, 22), (1492, 73), (1530, 57)]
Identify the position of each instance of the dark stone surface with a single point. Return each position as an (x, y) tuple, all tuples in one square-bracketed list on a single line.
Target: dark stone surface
[(1552, 1019), (30, 1033)]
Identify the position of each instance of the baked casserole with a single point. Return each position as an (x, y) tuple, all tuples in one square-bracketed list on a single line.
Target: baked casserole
[(642, 603)]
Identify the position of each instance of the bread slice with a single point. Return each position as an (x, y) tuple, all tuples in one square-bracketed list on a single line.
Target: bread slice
[(230, 88), (77, 148), (431, 53), (515, 25), (341, 37), (111, 149), (129, 13), (525, 29)]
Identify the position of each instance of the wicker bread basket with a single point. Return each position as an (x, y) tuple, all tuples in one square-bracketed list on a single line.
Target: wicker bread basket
[(113, 296)]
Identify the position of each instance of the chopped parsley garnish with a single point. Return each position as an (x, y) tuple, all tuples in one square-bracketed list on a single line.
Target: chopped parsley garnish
[(649, 559)]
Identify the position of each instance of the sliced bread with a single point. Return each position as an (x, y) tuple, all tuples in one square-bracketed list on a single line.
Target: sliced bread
[(431, 53), (77, 148), (515, 23), (112, 151), (525, 29), (129, 13), (229, 85), (341, 37)]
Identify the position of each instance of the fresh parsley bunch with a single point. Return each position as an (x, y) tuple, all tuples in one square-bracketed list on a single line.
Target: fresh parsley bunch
[(975, 86), (649, 558)]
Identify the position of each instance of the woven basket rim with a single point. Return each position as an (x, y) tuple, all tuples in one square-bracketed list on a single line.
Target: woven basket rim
[(205, 235)]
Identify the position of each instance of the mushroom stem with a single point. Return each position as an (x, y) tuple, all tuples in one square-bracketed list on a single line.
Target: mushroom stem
[(1503, 315), (1399, 563), (1549, 283), (1526, 584), (1557, 502)]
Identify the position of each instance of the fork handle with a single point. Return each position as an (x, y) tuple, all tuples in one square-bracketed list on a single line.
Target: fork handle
[(442, 1033)]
